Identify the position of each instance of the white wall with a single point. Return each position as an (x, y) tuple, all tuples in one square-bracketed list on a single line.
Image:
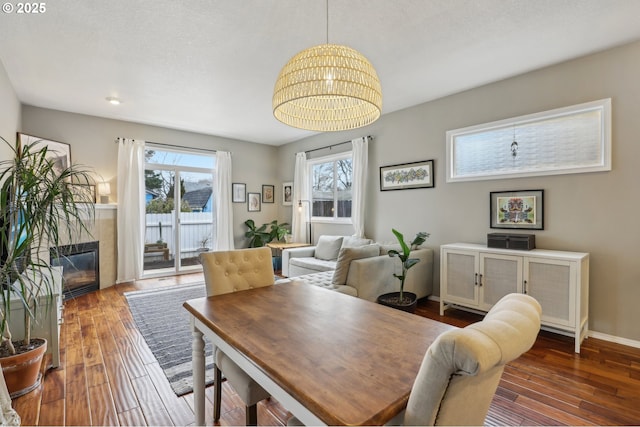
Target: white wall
[(593, 212), (92, 144), (9, 113)]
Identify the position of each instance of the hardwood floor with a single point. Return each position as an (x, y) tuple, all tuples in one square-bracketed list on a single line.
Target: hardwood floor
[(108, 376)]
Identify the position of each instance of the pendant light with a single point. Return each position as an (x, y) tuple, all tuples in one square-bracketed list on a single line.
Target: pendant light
[(327, 87)]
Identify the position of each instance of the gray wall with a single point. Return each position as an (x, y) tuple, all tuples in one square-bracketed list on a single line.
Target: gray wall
[(92, 144), (9, 113), (591, 212)]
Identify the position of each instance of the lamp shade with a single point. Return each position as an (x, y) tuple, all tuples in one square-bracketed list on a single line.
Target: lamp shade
[(104, 189), (327, 88)]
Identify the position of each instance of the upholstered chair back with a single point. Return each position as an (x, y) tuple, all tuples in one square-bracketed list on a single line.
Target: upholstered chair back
[(462, 368), (237, 270)]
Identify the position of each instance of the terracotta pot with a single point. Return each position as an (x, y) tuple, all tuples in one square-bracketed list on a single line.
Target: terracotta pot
[(409, 303), (22, 370)]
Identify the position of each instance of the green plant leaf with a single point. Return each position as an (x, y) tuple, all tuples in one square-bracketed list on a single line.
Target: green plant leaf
[(410, 263), (403, 245)]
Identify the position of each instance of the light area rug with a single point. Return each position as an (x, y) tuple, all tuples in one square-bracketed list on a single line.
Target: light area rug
[(164, 324)]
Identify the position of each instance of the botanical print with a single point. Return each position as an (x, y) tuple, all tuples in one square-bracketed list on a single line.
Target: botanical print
[(406, 176)]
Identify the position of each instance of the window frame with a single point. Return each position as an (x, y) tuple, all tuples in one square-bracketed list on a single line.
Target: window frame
[(327, 159), (602, 107)]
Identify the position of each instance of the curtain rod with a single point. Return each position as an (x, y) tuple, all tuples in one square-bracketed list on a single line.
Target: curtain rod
[(174, 146), (369, 137)]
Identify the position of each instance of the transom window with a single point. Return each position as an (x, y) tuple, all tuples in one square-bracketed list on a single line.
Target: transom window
[(331, 184)]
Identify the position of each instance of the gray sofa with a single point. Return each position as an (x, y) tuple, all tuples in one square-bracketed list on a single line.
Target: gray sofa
[(357, 267)]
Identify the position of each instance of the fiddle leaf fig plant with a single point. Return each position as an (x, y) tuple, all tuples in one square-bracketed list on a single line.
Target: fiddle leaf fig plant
[(260, 236), (404, 254)]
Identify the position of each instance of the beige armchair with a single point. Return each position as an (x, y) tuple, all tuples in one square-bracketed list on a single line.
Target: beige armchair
[(462, 368), (232, 271)]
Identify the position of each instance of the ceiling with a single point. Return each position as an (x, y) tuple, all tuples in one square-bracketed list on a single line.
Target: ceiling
[(209, 66)]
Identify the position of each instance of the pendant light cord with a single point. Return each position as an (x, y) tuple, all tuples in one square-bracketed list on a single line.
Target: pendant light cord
[(327, 4)]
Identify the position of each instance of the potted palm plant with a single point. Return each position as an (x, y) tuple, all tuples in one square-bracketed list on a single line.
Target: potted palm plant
[(402, 300), (39, 209)]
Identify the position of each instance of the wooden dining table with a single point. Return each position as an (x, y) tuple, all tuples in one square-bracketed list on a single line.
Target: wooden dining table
[(328, 358)]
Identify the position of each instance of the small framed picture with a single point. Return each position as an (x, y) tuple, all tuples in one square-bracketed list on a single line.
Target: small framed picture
[(287, 193), (59, 152), (407, 175), (267, 193), (517, 209), (238, 192), (253, 202)]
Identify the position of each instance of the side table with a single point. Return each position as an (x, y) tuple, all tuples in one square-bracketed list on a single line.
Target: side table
[(279, 247)]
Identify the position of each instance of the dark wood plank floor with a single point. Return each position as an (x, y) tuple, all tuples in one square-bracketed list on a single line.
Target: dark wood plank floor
[(108, 376)]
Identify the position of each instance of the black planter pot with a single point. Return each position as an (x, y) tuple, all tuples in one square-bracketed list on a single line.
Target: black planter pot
[(392, 299)]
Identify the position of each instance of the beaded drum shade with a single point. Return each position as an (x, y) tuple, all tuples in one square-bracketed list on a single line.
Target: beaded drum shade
[(327, 88)]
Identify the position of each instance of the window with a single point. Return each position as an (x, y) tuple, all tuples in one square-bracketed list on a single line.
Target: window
[(566, 140), (180, 208), (331, 182)]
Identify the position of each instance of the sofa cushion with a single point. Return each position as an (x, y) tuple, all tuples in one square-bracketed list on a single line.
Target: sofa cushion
[(347, 255), (312, 264), (328, 247), (323, 280), (353, 241)]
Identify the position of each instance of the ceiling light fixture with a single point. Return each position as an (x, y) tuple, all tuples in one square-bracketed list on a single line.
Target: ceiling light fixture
[(113, 100), (327, 87)]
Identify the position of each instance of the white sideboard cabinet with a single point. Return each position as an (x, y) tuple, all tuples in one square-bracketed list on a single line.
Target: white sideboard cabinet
[(48, 318), (474, 276)]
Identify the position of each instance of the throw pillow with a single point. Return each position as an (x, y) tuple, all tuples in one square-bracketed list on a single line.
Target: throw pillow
[(354, 242), (344, 261), (328, 247)]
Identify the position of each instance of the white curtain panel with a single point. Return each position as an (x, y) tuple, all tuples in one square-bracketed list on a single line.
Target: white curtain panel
[(131, 210), (224, 209), (360, 148), (299, 227)]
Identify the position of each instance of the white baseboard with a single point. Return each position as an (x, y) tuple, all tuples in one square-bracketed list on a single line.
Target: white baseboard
[(612, 338), (592, 334)]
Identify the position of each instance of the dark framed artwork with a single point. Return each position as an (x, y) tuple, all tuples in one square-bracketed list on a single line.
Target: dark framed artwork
[(238, 192), (268, 193), (287, 193), (517, 209), (59, 152), (405, 176), (253, 202)]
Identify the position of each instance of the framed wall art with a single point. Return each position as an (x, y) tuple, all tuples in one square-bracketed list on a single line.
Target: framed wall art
[(253, 202), (267, 193), (238, 192), (517, 209), (59, 152), (287, 193), (406, 176)]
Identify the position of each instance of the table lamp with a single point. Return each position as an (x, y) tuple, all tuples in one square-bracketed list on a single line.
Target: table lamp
[(104, 190)]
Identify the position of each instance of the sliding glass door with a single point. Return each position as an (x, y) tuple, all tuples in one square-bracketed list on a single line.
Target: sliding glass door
[(180, 219)]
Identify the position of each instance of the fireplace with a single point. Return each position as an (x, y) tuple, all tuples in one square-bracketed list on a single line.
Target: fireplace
[(80, 268)]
